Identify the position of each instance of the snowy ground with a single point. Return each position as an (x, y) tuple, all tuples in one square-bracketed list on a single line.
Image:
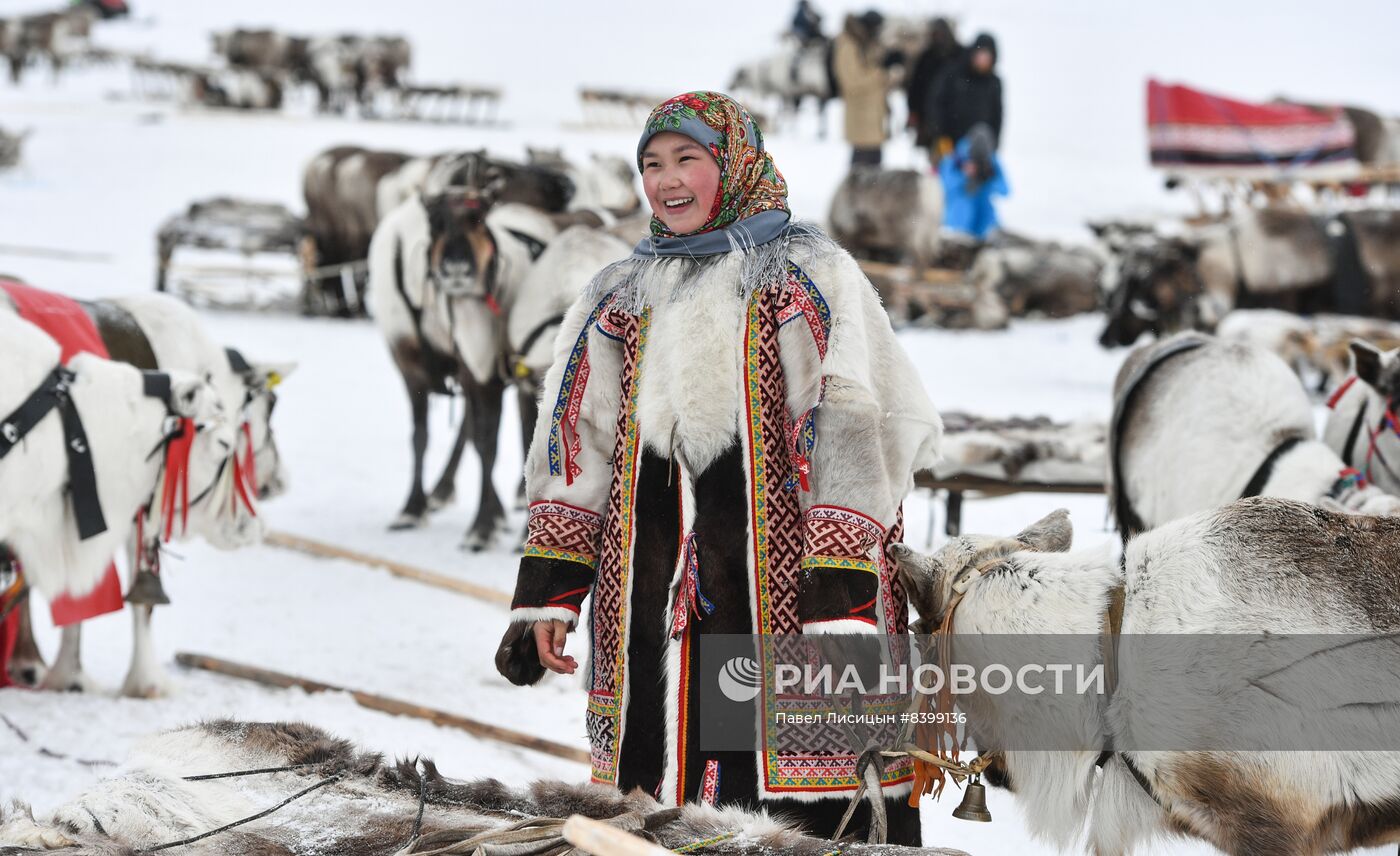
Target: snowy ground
[(102, 171)]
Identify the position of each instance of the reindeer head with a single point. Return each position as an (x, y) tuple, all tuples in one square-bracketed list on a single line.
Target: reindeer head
[(260, 397), (932, 581), (1150, 284), (213, 512), (1378, 369), (458, 194)]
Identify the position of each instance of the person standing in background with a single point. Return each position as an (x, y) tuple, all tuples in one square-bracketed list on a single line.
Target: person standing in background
[(806, 24), (941, 55), (864, 84), (969, 94)]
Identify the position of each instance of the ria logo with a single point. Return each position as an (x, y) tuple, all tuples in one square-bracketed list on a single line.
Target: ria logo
[(739, 679)]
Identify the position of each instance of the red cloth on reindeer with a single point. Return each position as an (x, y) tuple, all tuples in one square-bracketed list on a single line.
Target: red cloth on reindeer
[(1189, 129), (64, 319)]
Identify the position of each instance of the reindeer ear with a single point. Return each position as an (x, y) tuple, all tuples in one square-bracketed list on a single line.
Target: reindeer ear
[(1366, 361), (1053, 533), (271, 374)]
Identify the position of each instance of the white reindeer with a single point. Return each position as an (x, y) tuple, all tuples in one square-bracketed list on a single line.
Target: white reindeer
[(1199, 422), (124, 426), (137, 329), (1362, 427), (1260, 567), (445, 271)]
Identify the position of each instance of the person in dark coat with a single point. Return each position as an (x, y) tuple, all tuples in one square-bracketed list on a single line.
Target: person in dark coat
[(941, 54), (969, 94), (806, 23)]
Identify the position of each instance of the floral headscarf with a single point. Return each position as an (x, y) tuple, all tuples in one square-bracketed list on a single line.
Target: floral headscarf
[(749, 182)]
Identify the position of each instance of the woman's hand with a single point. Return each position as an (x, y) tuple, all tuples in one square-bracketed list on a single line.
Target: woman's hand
[(549, 641)]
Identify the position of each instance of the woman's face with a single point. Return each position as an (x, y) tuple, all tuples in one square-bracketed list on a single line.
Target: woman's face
[(680, 178)]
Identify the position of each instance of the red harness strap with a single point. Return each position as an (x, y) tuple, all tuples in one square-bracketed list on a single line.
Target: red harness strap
[(1341, 391)]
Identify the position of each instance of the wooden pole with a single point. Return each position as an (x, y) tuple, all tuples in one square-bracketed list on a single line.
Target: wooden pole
[(603, 839), (384, 704), (288, 541)]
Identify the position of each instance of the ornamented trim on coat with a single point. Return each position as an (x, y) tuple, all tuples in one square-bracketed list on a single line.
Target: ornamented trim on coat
[(610, 323), (564, 443), (801, 297), (557, 530), (836, 531), (709, 785), (601, 719), (839, 563), (609, 638)]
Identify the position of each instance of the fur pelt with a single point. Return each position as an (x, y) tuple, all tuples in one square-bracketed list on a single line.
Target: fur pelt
[(1016, 449), (1256, 566), (370, 810), (1200, 426)]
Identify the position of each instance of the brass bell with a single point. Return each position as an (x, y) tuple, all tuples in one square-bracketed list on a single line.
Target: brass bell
[(974, 802), (147, 590)]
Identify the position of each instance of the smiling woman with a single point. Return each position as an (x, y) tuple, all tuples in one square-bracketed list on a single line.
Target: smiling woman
[(681, 180), (734, 428)]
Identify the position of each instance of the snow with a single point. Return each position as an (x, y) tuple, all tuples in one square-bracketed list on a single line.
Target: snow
[(102, 172)]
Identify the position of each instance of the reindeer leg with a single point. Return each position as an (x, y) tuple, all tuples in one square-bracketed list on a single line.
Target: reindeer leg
[(26, 666), (484, 410), (529, 407), (446, 489), (415, 509), (145, 679), (67, 672)]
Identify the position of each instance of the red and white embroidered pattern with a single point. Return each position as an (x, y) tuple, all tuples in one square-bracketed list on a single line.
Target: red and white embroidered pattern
[(781, 553), (841, 532), (558, 527), (709, 785)]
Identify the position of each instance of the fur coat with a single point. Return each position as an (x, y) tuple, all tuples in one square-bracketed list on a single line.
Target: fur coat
[(720, 458)]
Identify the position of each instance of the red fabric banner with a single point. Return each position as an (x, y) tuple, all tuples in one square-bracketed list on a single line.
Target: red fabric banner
[(1191, 128)]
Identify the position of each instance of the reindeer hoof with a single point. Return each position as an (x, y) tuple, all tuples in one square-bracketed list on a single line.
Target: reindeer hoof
[(137, 689), (475, 542), (408, 521), (438, 502), (27, 674)]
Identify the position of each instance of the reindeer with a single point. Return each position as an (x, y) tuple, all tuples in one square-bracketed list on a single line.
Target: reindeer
[(794, 74), (889, 215), (606, 185), (53, 536), (1198, 423), (365, 806), (1272, 257), (553, 284), (445, 272), (349, 190), (1258, 569), (1362, 426), (158, 332)]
